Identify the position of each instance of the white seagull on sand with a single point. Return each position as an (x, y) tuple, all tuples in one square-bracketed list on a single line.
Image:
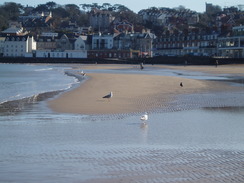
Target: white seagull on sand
[(110, 95), (144, 117)]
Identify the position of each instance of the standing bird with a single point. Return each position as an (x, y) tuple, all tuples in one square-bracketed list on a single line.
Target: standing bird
[(144, 117), (181, 84), (82, 73), (110, 95), (141, 66)]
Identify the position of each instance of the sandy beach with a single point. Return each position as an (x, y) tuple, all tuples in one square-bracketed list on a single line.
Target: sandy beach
[(136, 92)]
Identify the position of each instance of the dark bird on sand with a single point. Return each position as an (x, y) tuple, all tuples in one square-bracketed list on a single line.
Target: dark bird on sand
[(110, 95), (141, 66), (181, 84)]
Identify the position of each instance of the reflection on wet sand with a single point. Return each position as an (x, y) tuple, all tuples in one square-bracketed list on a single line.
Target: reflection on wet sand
[(144, 125)]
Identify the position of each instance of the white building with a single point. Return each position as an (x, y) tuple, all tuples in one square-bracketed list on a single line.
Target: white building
[(80, 44), (232, 46), (102, 41), (18, 46), (191, 44), (79, 51), (61, 54)]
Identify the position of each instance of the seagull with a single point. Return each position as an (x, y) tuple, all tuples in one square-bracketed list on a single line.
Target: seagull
[(82, 73), (181, 84), (144, 117), (110, 95)]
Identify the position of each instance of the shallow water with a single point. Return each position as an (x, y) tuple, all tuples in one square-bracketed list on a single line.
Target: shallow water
[(18, 81), (204, 145), (164, 72), (198, 138)]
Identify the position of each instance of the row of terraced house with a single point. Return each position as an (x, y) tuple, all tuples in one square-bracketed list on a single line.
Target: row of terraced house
[(230, 45), (14, 43), (54, 45)]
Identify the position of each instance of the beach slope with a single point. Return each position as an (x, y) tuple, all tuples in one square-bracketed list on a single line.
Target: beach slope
[(131, 93)]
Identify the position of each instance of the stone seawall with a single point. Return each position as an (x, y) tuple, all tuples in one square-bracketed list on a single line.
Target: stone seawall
[(187, 60)]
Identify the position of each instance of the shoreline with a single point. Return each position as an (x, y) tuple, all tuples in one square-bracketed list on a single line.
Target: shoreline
[(17, 105), (191, 60), (132, 92)]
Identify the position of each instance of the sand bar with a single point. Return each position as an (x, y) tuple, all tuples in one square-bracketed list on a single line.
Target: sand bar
[(132, 92), (236, 69)]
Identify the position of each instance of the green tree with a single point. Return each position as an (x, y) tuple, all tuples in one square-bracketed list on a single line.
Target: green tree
[(86, 7), (83, 20), (73, 10), (119, 8), (51, 5), (3, 22), (13, 10), (106, 6), (41, 8), (60, 13), (9, 12)]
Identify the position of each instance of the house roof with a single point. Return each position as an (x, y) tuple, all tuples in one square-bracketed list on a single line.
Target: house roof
[(16, 38), (13, 30)]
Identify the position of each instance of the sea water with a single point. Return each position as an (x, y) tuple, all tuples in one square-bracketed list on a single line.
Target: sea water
[(191, 145), (18, 81)]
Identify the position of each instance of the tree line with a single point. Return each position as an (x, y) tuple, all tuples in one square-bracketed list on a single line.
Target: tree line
[(63, 14)]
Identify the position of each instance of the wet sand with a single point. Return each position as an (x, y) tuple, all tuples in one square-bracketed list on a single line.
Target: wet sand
[(136, 92), (178, 147), (236, 69), (200, 145)]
